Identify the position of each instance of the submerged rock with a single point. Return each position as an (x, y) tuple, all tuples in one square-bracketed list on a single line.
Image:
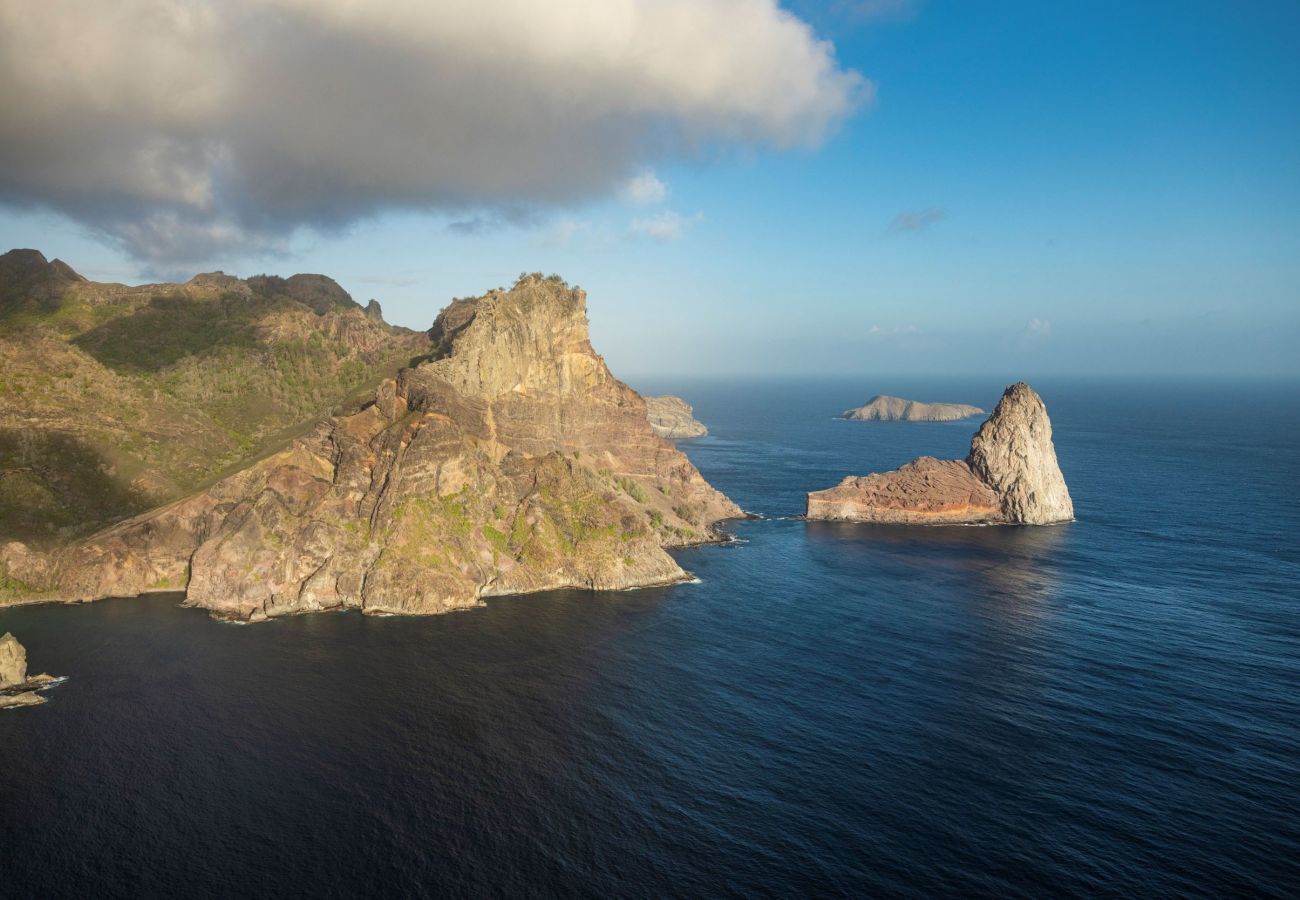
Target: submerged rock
[(883, 408), (673, 418), (1011, 476)]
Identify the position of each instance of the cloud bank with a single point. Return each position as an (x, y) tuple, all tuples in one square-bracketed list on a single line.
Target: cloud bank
[(192, 129)]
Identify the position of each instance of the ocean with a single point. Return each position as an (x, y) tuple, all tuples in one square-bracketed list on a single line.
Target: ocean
[(1108, 707)]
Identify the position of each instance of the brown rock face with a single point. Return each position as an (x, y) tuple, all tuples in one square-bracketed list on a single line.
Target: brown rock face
[(926, 491), (512, 462), (673, 418), (1011, 476)]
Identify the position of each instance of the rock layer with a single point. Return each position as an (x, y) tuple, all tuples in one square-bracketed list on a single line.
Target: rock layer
[(673, 418), (1011, 476), (512, 461), (883, 408)]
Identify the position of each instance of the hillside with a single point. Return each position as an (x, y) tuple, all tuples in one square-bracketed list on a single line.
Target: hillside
[(115, 399)]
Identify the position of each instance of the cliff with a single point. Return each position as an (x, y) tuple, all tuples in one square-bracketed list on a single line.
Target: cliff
[(1011, 476), (673, 418), (882, 408), (115, 398), (510, 461)]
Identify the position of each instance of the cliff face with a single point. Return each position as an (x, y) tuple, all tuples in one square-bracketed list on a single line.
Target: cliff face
[(673, 418), (1010, 476), (513, 461), (882, 408), (1013, 453)]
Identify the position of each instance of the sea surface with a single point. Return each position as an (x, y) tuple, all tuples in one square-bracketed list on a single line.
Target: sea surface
[(1105, 708)]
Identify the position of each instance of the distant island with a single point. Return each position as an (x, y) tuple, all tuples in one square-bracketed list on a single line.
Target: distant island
[(1010, 477), (883, 408), (673, 418)]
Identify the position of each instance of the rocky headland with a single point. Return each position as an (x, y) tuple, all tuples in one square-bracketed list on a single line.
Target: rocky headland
[(17, 688), (883, 408), (1010, 476), (673, 418), (509, 460)]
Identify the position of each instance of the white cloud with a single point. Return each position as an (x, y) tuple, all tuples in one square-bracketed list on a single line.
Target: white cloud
[(1037, 329), (644, 189), (665, 226), (233, 123), (881, 331)]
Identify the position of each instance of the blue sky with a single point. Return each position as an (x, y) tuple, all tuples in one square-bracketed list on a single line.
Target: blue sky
[(1035, 188)]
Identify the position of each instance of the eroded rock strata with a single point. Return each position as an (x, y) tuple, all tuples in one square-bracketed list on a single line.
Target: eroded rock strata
[(883, 408), (512, 461), (1011, 476), (673, 418)]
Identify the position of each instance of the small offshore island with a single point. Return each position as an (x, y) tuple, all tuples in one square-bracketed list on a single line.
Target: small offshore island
[(672, 418), (1010, 477), (883, 408)]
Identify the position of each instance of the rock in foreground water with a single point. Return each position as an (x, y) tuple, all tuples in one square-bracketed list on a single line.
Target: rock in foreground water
[(1010, 476), (16, 689)]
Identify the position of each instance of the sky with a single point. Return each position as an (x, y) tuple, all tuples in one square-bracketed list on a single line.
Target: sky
[(852, 187)]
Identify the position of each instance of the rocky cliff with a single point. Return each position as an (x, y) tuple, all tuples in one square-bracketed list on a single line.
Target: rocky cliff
[(883, 408), (673, 418), (1010, 476), (510, 461)]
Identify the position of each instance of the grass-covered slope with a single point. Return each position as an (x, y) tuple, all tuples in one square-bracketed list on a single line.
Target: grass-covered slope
[(115, 399)]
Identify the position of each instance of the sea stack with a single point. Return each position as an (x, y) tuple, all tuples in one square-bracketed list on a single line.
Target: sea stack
[(672, 418), (883, 408), (1010, 477)]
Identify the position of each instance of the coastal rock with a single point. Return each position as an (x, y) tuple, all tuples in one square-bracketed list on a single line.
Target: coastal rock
[(1013, 453), (883, 408), (510, 461), (16, 688), (13, 662), (673, 418), (1011, 476)]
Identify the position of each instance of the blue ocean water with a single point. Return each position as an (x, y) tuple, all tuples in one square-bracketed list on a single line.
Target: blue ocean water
[(1109, 707)]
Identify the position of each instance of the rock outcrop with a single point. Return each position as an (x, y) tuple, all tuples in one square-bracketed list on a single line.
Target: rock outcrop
[(16, 688), (883, 408), (511, 461), (1010, 476), (673, 418)]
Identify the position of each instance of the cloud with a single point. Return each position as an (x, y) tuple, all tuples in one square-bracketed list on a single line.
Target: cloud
[(644, 189), (665, 226), (917, 220), (1037, 329), (193, 130)]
